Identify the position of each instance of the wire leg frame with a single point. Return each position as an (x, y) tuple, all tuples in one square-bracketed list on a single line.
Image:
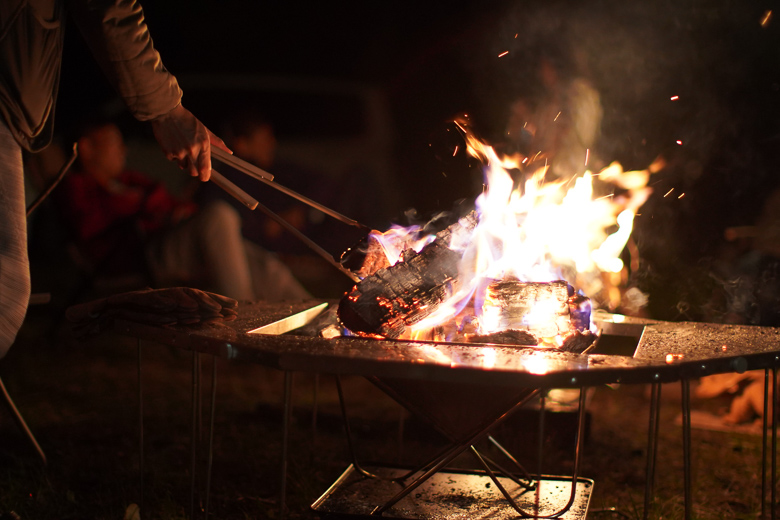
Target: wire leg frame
[(448, 455), (211, 432), (578, 452), (140, 432), (686, 427), (652, 448), (288, 383), (773, 474), (195, 432), (423, 467)]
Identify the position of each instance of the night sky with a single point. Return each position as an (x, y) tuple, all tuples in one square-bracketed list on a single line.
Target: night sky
[(434, 60)]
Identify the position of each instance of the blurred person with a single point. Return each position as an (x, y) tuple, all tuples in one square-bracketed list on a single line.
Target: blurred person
[(561, 122), (252, 137), (31, 39), (124, 221)]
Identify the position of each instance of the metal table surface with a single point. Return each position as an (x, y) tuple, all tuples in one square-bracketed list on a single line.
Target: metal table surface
[(662, 352), (666, 352)]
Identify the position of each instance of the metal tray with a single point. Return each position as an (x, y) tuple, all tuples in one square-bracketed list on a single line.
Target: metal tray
[(448, 495)]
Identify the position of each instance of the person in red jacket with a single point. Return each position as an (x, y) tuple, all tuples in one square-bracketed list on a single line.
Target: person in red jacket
[(122, 220)]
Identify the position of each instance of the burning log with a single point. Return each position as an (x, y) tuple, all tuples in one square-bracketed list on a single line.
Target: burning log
[(529, 313), (392, 298), (513, 312), (545, 310)]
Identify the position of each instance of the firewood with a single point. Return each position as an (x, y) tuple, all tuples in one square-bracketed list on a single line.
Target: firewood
[(538, 308), (395, 297), (545, 309)]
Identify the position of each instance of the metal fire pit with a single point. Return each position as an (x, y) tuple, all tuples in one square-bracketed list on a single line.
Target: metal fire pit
[(449, 495), (630, 351), (464, 413)]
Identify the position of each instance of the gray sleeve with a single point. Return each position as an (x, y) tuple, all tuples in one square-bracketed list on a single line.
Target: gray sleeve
[(116, 32)]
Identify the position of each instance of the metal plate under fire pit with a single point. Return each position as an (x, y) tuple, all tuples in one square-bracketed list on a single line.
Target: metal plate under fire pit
[(448, 495)]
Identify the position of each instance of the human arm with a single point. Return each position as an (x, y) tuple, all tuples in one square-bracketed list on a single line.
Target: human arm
[(116, 32), (186, 140)]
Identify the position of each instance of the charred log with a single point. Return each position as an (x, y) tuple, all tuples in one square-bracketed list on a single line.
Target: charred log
[(366, 257), (576, 343), (386, 302), (579, 342)]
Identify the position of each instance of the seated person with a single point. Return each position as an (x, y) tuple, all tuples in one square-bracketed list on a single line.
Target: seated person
[(121, 220), (251, 136)]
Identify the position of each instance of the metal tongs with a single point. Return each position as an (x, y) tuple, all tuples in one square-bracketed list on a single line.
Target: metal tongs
[(268, 179)]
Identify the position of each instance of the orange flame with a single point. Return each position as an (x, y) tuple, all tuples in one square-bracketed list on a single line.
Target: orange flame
[(534, 230)]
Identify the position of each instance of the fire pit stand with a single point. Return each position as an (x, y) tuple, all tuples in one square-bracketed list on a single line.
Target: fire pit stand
[(452, 494), (664, 352)]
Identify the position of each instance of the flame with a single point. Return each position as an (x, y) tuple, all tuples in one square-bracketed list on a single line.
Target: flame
[(397, 239), (534, 229)]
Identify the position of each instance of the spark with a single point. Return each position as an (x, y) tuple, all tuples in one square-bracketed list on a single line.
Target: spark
[(668, 192), (675, 98), (516, 34), (455, 152), (587, 155), (681, 195), (525, 159), (503, 54), (679, 142), (556, 117), (764, 19), (606, 197), (444, 174)]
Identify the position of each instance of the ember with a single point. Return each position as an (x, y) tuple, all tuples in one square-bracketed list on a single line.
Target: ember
[(516, 270)]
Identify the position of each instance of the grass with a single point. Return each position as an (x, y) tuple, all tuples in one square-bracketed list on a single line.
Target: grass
[(80, 401)]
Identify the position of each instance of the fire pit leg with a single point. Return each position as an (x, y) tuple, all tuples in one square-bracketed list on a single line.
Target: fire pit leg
[(686, 425), (211, 433), (315, 406), (652, 447), (774, 440), (140, 432), (351, 446), (540, 445), (353, 455), (452, 453), (195, 433), (288, 380), (765, 423), (512, 459), (575, 473)]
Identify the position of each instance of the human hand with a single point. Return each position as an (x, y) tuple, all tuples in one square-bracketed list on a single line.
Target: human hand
[(184, 139)]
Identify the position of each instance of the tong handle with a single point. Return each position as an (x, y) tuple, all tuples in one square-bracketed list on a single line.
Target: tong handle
[(267, 178), (233, 190), (240, 164)]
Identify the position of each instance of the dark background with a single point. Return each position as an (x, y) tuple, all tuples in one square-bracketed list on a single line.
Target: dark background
[(434, 60)]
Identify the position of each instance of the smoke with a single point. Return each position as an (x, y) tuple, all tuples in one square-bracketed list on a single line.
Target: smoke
[(633, 302), (637, 55)]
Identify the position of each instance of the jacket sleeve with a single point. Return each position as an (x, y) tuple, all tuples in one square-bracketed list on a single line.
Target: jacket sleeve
[(117, 34)]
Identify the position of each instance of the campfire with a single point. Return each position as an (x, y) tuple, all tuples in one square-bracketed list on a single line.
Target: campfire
[(521, 268)]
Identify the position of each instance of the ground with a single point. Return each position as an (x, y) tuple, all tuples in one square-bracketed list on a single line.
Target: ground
[(80, 400)]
